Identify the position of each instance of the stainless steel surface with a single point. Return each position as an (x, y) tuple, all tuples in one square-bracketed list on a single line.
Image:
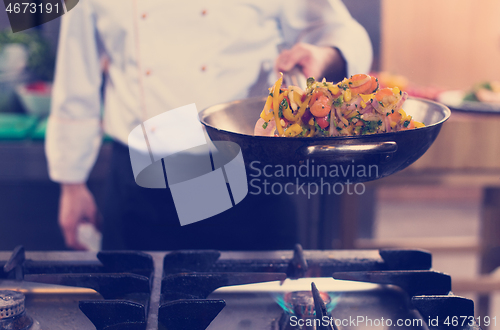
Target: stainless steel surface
[(366, 148), (235, 121)]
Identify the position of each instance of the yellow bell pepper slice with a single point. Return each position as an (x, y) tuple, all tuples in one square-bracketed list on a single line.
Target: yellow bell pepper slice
[(295, 117), (266, 114), (276, 102), (312, 131), (334, 89), (418, 124), (347, 95), (293, 130)]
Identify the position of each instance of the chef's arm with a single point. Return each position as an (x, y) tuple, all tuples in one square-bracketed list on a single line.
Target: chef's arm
[(76, 206), (327, 41), (74, 126)]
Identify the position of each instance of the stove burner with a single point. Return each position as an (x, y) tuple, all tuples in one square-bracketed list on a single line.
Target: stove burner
[(12, 313), (301, 303), (305, 310), (11, 304), (131, 281)]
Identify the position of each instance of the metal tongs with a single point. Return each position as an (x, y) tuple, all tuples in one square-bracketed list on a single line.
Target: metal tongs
[(294, 76)]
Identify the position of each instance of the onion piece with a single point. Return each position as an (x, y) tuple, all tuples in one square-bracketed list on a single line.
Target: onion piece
[(370, 116), (332, 115), (378, 107), (259, 130), (367, 109), (401, 101), (355, 104), (387, 124)]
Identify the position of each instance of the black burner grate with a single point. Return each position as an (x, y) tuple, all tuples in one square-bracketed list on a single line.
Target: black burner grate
[(125, 281)]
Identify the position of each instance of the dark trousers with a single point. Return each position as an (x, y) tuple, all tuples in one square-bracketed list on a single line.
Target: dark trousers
[(138, 218)]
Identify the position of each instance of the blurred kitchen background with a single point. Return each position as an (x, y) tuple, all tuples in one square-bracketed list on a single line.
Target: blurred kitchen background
[(448, 202)]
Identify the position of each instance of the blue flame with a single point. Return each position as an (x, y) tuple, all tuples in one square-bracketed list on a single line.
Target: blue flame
[(335, 297)]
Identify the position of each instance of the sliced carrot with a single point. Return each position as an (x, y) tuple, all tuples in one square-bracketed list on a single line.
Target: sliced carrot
[(320, 108), (364, 89), (315, 96), (359, 80), (395, 117), (374, 85), (383, 93)]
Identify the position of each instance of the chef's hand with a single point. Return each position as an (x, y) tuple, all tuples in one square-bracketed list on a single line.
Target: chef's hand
[(314, 61), (76, 206)]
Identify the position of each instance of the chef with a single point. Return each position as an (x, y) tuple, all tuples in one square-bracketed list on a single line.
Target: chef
[(164, 54)]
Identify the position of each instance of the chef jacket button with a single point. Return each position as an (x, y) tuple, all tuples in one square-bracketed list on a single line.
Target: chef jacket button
[(144, 16), (204, 68), (148, 72), (204, 12)]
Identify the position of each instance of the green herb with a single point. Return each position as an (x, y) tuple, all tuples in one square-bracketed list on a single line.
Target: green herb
[(264, 126), (370, 127), (271, 94), (406, 123), (471, 97), (485, 85), (323, 131), (310, 81), (283, 105), (338, 101), (325, 84)]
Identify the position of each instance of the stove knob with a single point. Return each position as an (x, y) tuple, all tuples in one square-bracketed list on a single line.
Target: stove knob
[(11, 304)]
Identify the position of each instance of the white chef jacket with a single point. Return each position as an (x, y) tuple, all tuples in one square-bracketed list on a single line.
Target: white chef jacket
[(164, 54)]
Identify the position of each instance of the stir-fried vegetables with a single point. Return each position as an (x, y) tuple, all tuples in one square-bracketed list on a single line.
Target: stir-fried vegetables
[(354, 106)]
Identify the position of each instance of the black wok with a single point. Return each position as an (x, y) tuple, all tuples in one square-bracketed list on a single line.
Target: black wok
[(329, 159)]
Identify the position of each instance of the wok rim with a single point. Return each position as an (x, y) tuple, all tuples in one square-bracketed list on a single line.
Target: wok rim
[(205, 113)]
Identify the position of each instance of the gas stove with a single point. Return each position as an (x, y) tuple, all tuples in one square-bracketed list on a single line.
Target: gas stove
[(205, 289)]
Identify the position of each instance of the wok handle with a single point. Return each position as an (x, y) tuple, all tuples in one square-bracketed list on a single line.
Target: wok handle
[(350, 149)]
